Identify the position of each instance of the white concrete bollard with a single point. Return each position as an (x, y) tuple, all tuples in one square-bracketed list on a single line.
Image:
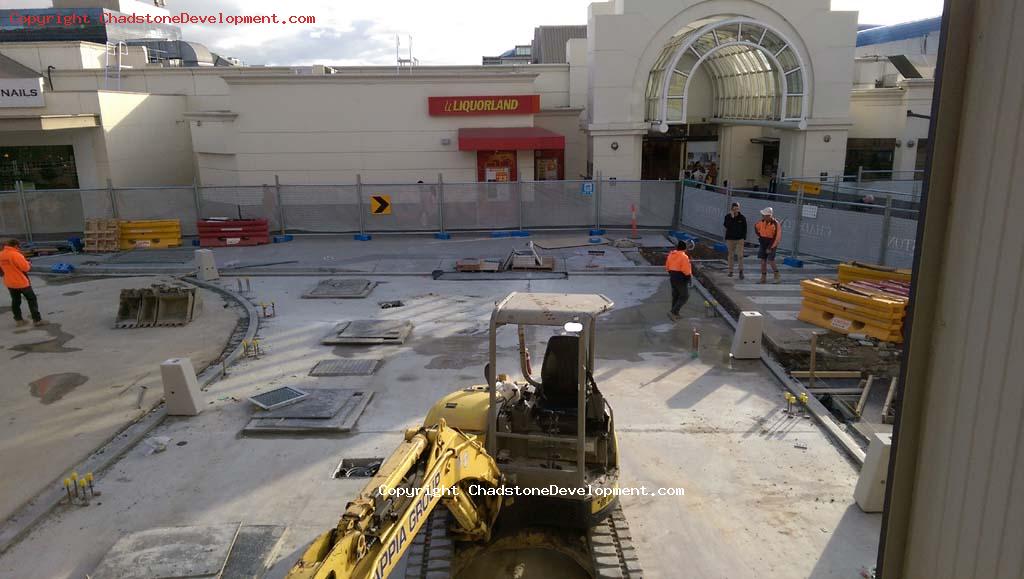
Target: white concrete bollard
[(181, 389), (206, 267), (746, 343), (870, 490)]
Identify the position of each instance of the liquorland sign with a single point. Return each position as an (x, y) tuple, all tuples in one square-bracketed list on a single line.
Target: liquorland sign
[(484, 105), (21, 92)]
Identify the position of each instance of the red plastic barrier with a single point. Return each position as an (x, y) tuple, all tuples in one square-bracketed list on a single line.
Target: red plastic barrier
[(229, 232)]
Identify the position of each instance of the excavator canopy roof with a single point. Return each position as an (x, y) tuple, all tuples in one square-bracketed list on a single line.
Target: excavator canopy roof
[(538, 309)]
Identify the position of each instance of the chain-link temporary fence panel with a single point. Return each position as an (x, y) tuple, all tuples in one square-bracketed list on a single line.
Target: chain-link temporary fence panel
[(54, 213), (97, 203), (254, 202), (558, 204), (653, 201), (158, 203), (902, 240), (401, 207), (658, 203), (704, 210), (841, 234), (320, 208), (12, 215), (470, 206)]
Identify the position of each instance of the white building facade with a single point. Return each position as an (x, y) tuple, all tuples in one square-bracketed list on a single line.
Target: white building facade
[(759, 89)]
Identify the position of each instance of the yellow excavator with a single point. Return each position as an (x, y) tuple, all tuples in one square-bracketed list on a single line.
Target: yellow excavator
[(527, 470)]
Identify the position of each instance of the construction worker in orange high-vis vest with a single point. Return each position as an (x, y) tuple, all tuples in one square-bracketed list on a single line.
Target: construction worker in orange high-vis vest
[(679, 272), (15, 267), (769, 234)]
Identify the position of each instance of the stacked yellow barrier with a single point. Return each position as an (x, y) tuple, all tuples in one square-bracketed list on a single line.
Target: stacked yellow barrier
[(866, 272), (150, 233), (842, 309)]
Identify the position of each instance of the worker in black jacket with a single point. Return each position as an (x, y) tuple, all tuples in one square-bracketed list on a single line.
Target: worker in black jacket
[(735, 235)]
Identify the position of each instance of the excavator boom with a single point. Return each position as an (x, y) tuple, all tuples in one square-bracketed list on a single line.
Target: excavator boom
[(432, 465)]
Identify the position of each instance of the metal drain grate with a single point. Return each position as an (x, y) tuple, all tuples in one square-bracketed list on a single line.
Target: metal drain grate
[(345, 367), (341, 289), (278, 397)]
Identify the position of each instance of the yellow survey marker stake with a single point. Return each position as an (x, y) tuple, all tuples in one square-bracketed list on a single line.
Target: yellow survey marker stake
[(380, 205)]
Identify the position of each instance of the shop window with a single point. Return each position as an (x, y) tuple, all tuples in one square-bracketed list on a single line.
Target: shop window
[(870, 154), (44, 167), (496, 166), (549, 165), (922, 158)]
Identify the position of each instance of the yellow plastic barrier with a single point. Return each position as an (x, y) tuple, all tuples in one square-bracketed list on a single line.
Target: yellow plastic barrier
[(861, 271), (150, 234), (828, 305)]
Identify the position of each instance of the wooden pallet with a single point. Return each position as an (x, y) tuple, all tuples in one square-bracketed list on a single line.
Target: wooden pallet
[(101, 235)]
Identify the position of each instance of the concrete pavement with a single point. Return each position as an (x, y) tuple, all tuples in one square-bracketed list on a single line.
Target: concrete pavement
[(756, 505), (70, 386)]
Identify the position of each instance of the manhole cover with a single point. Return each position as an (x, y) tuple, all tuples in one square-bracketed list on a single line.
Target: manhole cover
[(341, 289), (175, 255), (345, 367), (278, 397), (369, 332)]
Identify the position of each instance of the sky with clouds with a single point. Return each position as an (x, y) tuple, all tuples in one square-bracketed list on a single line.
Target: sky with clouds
[(361, 32)]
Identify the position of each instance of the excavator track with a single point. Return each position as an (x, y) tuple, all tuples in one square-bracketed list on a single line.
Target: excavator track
[(611, 545), (612, 554)]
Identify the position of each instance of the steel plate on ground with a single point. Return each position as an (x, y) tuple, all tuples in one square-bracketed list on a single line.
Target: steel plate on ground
[(156, 256), (250, 556), (320, 403), (353, 402), (341, 289), (283, 396), (196, 551), (369, 332), (345, 367)]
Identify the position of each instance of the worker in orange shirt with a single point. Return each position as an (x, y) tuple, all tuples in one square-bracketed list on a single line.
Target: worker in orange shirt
[(769, 234), (14, 267), (679, 272)]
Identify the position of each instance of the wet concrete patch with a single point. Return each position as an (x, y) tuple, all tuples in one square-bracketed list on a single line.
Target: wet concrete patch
[(624, 333), (55, 345), (52, 388)]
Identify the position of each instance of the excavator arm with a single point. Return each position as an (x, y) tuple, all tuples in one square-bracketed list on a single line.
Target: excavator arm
[(435, 464)]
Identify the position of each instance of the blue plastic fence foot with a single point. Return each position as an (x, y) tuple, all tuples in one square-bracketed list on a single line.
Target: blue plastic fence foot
[(520, 233), (62, 268), (283, 238), (362, 237), (793, 262), (500, 234), (596, 232), (721, 247)]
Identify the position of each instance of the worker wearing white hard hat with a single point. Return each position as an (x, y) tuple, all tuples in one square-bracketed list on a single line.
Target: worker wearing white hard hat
[(769, 234)]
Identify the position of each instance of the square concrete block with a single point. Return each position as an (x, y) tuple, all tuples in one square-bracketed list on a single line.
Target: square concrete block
[(181, 389), (206, 267), (870, 490), (746, 343)]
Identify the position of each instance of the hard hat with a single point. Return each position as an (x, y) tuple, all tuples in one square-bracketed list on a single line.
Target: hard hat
[(766, 211)]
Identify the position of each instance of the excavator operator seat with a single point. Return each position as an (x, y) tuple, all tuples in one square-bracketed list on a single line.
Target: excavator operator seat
[(559, 375)]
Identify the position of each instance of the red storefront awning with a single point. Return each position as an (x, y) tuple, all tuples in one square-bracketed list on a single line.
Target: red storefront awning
[(509, 138)]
